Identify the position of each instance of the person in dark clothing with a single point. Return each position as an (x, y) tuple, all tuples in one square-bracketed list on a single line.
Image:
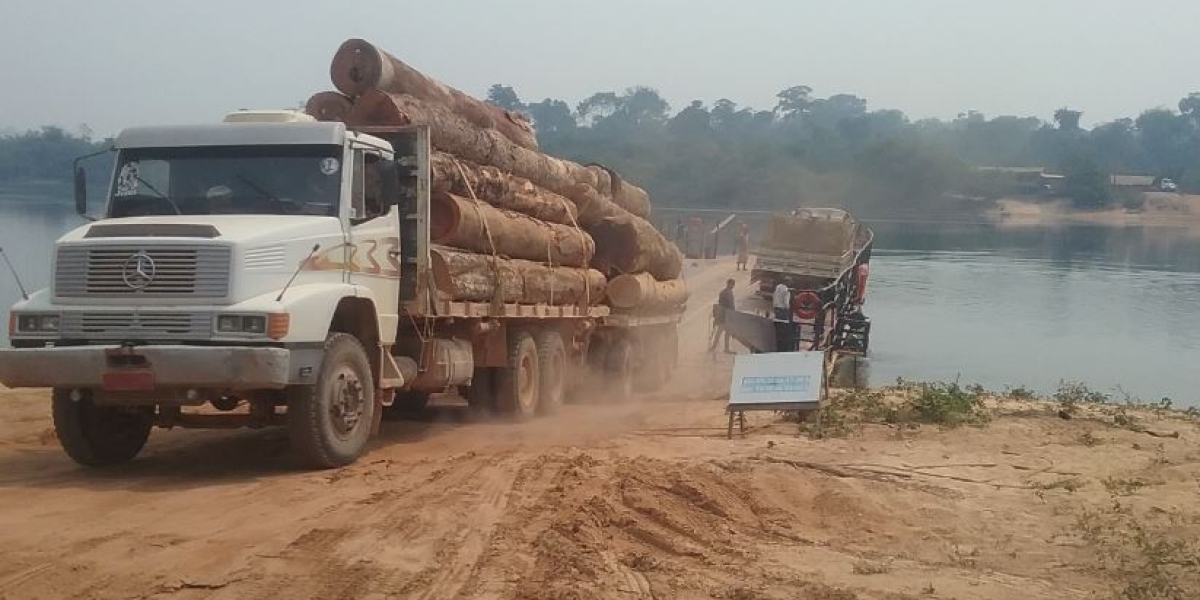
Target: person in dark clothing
[(724, 303)]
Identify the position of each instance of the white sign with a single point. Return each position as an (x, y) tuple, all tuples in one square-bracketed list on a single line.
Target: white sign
[(777, 378)]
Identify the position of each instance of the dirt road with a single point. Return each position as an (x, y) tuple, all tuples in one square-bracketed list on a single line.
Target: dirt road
[(645, 500)]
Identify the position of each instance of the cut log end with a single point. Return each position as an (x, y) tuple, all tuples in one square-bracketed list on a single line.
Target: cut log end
[(357, 67), (328, 106)]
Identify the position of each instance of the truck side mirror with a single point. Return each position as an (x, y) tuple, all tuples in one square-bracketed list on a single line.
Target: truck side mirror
[(80, 191)]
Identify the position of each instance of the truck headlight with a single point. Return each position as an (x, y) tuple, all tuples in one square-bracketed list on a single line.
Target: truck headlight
[(34, 323), (274, 325), (252, 324)]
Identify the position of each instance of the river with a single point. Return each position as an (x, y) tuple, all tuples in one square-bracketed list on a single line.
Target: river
[(1115, 308)]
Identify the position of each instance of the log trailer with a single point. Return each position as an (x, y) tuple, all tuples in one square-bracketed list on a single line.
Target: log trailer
[(273, 270)]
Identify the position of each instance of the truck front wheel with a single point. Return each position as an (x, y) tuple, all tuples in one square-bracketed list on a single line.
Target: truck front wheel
[(517, 384), (98, 436), (329, 423)]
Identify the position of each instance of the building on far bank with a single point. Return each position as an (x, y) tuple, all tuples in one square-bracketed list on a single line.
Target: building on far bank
[(1136, 183)]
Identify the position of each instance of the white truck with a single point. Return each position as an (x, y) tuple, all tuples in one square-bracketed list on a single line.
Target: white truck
[(274, 270)]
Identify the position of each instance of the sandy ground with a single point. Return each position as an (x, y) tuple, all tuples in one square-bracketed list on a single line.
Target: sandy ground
[(1160, 209), (643, 500)]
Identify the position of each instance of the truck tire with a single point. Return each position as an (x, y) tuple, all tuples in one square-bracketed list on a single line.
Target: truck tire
[(517, 384), (618, 369), (329, 422), (552, 371), (99, 436)]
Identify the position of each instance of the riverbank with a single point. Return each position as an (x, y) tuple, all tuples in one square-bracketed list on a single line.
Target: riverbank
[(1158, 209), (1003, 498)]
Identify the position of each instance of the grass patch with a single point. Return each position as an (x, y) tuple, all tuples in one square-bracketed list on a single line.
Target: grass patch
[(1073, 394), (945, 404), (867, 567), (1123, 487), (1069, 484), (909, 405), (1020, 393), (1147, 557)]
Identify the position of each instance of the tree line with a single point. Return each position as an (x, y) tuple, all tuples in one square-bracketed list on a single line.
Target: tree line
[(837, 151), (806, 150)]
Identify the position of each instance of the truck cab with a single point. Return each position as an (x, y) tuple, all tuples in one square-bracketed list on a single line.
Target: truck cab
[(248, 265)]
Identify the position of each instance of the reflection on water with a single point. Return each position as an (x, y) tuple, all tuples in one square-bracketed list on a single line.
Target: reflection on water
[(999, 306), (995, 306)]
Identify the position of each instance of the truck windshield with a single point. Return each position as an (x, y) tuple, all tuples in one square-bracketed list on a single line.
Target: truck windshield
[(213, 180)]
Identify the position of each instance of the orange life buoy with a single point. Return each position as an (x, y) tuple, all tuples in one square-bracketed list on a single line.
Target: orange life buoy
[(805, 305), (861, 287)]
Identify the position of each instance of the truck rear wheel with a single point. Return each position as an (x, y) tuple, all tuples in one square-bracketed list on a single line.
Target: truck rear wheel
[(552, 371), (98, 436), (618, 367), (517, 384), (329, 423)]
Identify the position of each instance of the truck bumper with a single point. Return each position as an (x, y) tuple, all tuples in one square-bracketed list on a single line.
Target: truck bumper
[(148, 367)]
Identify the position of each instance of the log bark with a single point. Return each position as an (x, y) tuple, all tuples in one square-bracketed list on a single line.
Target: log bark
[(628, 196), (328, 106), (481, 227), (358, 67), (499, 189), (642, 292), (454, 134), (472, 277), (629, 244)]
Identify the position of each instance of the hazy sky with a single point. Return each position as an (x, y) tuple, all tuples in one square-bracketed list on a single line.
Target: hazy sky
[(115, 63)]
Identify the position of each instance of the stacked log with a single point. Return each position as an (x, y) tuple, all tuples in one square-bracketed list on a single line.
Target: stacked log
[(508, 222), (474, 277), (328, 106), (467, 179), (359, 67), (643, 291), (480, 227), (624, 246)]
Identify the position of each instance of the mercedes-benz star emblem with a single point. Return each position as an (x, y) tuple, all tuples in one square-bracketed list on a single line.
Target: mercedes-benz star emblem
[(138, 271)]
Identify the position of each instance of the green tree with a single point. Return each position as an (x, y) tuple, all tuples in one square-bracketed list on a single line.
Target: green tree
[(1067, 119), (794, 102), (1086, 185), (504, 97), (552, 116)]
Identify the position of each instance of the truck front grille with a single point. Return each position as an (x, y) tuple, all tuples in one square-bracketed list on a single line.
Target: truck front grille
[(126, 325), (168, 272)]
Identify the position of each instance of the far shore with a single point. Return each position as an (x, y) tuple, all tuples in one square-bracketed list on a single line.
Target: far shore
[(1161, 209)]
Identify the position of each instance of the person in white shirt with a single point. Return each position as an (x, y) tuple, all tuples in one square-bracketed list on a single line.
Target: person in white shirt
[(781, 305)]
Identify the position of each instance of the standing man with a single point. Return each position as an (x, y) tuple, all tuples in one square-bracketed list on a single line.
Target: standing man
[(724, 303), (781, 305), (743, 247)]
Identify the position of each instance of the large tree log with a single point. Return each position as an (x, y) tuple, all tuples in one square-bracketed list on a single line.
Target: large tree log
[(359, 66), (328, 106), (482, 278), (481, 227), (626, 195), (499, 189), (629, 244), (454, 134), (641, 291)]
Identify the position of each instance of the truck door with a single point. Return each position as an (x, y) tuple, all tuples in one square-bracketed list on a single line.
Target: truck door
[(375, 238)]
